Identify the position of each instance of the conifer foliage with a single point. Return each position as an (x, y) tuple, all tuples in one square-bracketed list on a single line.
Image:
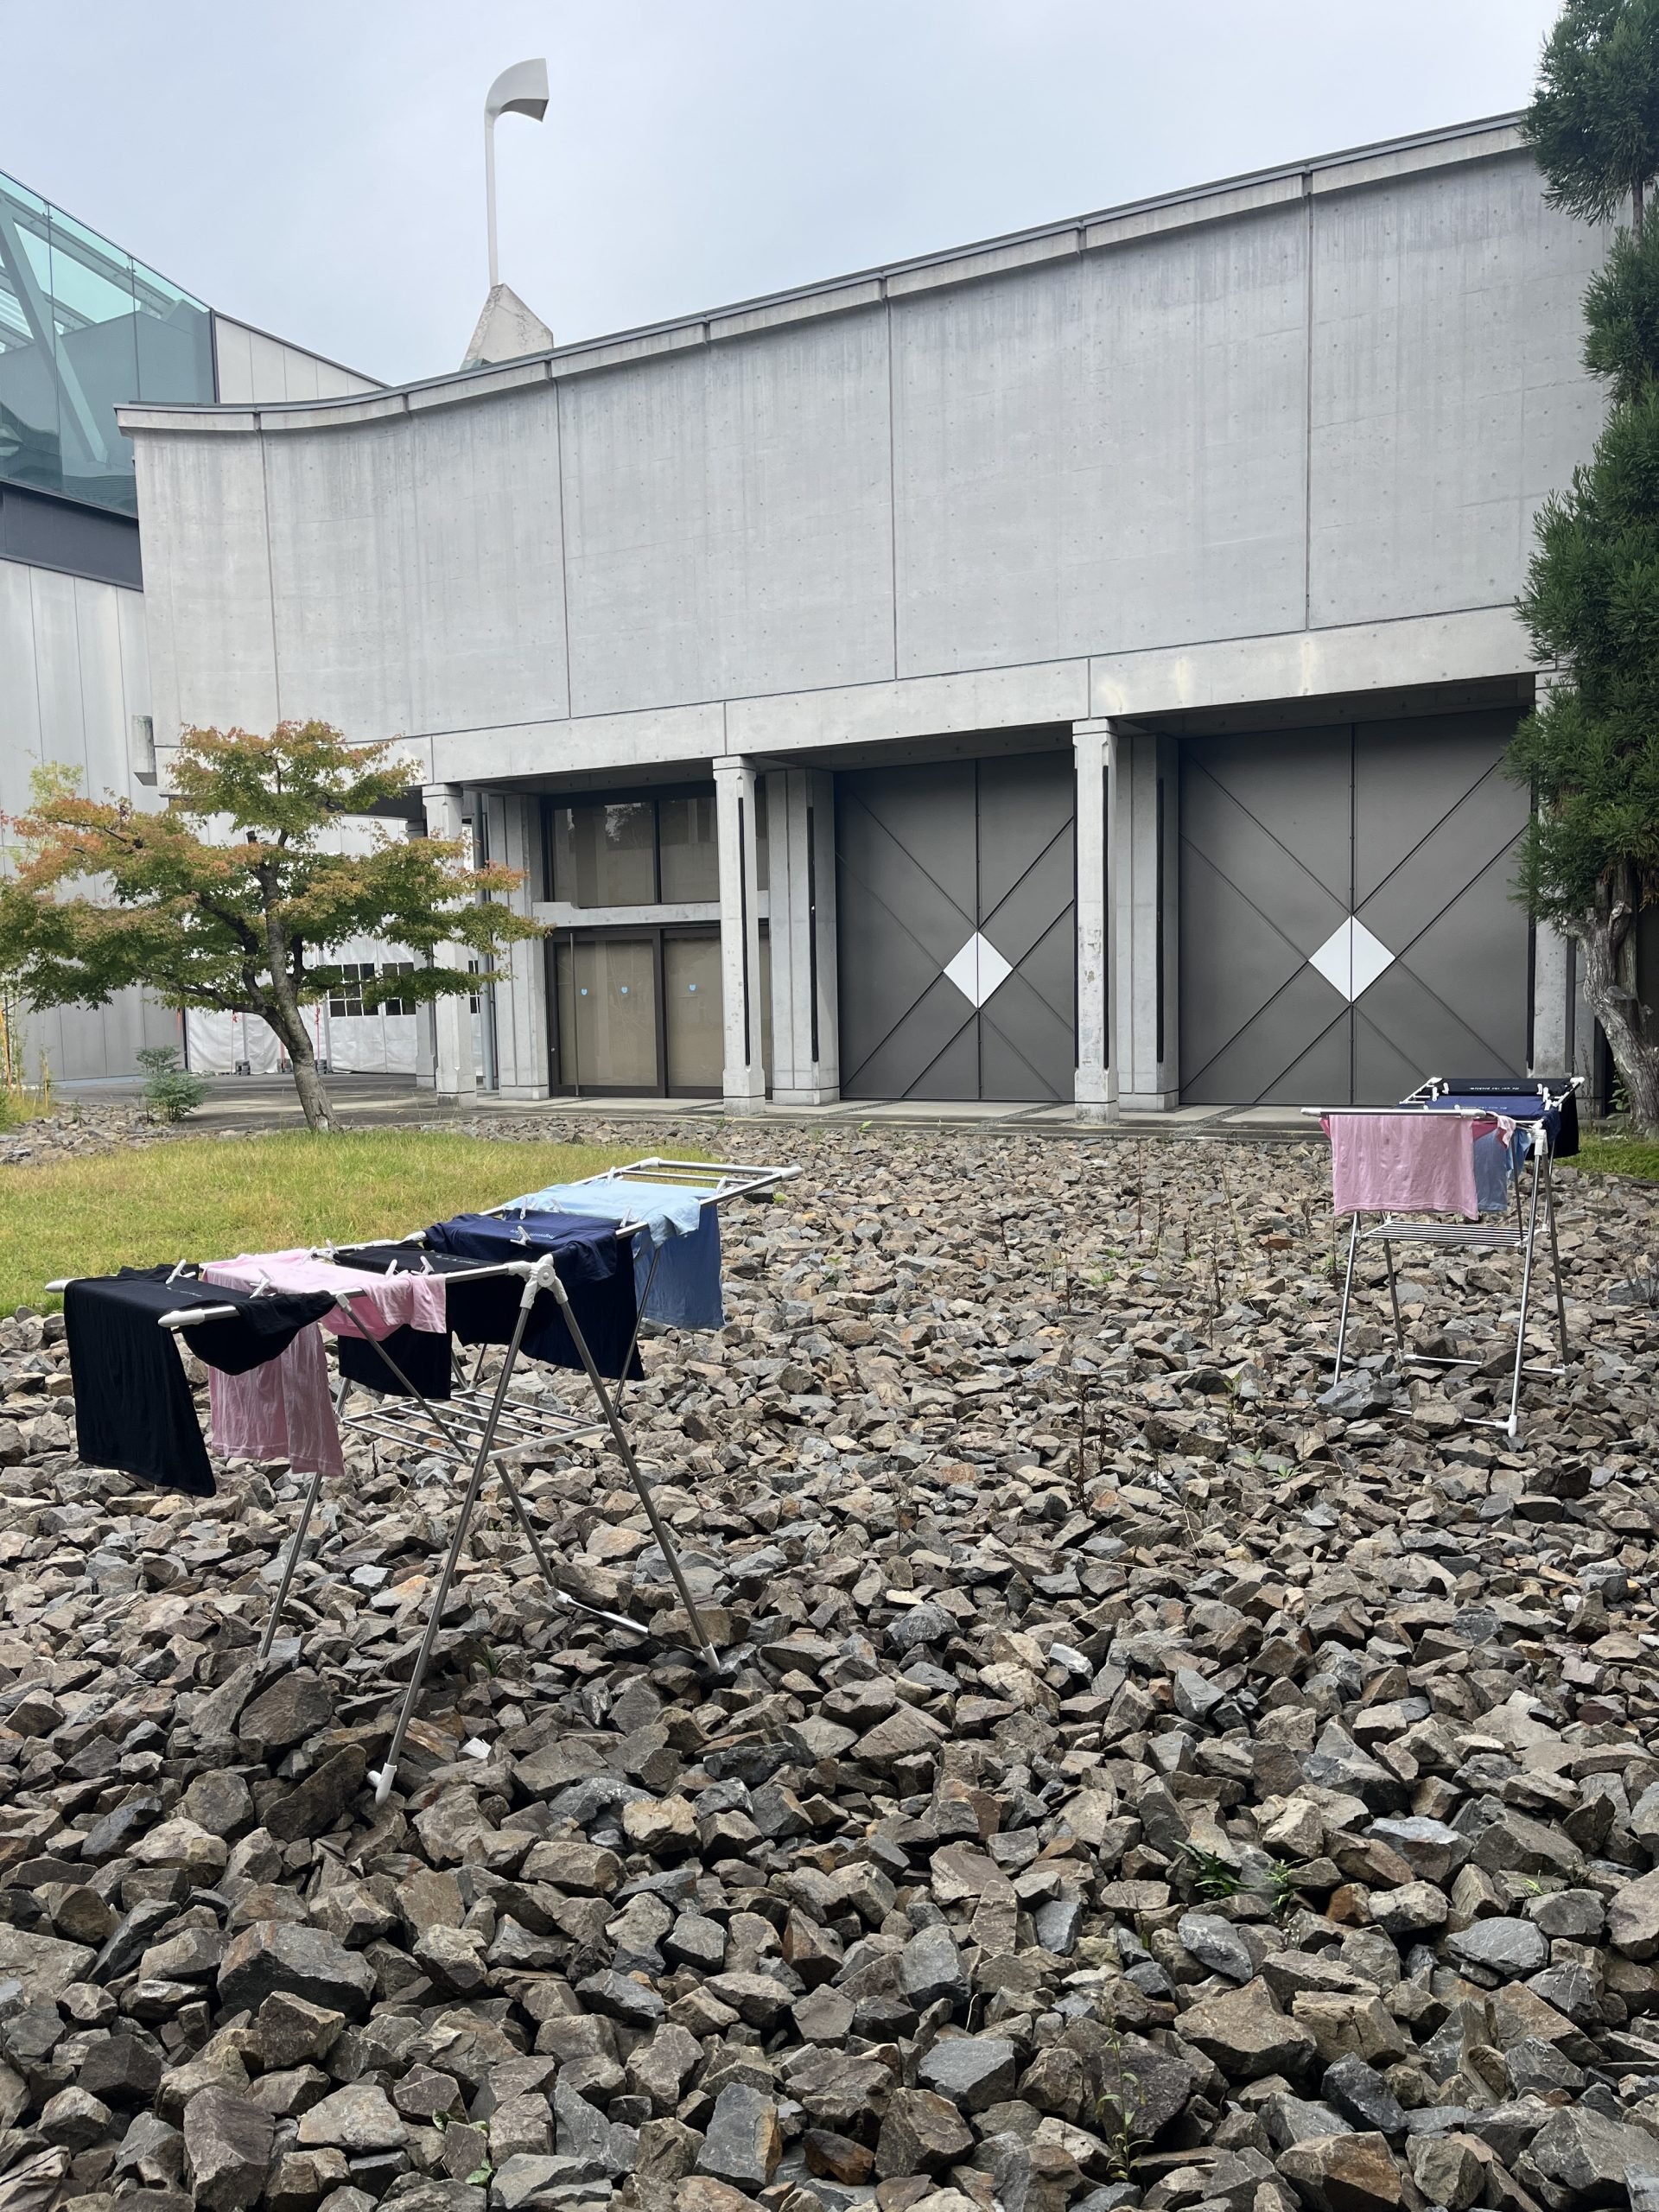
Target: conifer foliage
[(1590, 753)]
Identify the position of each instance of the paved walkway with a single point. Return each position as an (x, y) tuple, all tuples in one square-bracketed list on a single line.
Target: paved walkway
[(266, 1101)]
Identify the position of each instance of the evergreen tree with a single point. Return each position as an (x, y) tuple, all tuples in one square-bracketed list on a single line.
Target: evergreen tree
[(231, 897), (1590, 753)]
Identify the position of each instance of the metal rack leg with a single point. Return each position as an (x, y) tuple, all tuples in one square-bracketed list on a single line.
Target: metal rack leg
[(1347, 1294), (1514, 1422), (296, 1546), (638, 1320), (624, 1450), (384, 1780), (1555, 1253), (1394, 1299)]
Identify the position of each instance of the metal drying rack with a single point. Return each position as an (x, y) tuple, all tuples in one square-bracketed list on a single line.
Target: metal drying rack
[(1518, 1233), (477, 1427)]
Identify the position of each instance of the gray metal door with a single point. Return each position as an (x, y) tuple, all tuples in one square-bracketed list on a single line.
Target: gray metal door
[(957, 947), (1346, 924)]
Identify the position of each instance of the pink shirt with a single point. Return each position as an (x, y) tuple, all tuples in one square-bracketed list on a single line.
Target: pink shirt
[(381, 1304), (1405, 1162), (280, 1411)]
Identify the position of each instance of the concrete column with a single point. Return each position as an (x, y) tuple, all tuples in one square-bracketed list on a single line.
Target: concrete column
[(744, 1084), (801, 916), (1142, 873), (453, 1070), (1095, 1082), (521, 1041)]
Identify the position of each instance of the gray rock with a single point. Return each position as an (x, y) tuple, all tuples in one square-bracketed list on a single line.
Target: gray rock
[(743, 2142), (358, 2118), (1586, 2159), (921, 1624), (971, 2071), (227, 2144), (1362, 2097), (276, 1955), (930, 1967), (1216, 1944), (1509, 1948)]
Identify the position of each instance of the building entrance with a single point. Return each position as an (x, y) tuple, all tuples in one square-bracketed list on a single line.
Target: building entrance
[(1346, 922), (957, 942)]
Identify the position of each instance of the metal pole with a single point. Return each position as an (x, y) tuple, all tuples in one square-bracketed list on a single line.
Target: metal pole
[(1347, 1292), (296, 1546), (384, 1780), (1513, 1422), (620, 1437), (489, 194)]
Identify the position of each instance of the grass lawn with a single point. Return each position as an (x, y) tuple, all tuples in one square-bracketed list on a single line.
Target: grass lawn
[(1619, 1156), (207, 1198)]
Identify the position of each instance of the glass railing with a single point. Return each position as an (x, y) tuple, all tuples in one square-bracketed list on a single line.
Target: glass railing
[(85, 329)]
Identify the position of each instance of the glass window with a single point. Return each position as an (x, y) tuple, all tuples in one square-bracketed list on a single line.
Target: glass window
[(762, 848), (605, 855), (346, 999), (397, 968), (83, 329), (691, 998), (690, 855), (607, 1013)]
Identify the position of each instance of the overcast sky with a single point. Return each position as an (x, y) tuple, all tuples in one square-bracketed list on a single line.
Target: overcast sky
[(316, 168)]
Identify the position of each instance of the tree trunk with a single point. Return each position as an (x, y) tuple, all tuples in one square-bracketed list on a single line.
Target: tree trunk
[(314, 1099), (1602, 941)]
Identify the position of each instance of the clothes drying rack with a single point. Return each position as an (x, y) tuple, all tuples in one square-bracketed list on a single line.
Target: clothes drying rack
[(476, 1428), (1517, 1233)]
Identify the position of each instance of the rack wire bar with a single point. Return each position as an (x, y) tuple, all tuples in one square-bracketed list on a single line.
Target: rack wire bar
[(1519, 1235)]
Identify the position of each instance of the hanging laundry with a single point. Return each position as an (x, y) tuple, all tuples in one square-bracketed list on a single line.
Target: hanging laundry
[(423, 1357), (366, 1305), (1404, 1162), (592, 1265), (678, 1256), (133, 1406), (284, 1410)]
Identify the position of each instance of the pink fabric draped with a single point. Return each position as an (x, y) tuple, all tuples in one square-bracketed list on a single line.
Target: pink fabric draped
[(381, 1303), (1405, 1162), (280, 1411)]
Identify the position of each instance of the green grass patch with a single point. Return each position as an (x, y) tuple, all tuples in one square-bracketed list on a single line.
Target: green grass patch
[(207, 1198), (1619, 1156)]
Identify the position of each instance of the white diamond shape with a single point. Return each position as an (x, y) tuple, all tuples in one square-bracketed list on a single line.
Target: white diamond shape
[(1352, 958), (978, 968)]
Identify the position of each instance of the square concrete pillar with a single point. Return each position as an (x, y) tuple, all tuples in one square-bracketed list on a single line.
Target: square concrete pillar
[(1143, 875), (744, 1081), (1094, 1086), (801, 920), (514, 840), (455, 1074)]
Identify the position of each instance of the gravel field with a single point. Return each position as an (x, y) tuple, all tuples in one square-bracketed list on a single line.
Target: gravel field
[(1134, 1782)]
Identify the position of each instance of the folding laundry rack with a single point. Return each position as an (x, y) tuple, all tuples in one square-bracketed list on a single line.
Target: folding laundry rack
[(476, 1428), (1531, 1103)]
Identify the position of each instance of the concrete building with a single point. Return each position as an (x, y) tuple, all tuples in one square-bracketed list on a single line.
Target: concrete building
[(1074, 667), (84, 326)]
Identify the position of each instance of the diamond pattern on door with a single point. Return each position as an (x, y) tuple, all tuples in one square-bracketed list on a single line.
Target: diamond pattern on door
[(1346, 922), (958, 950)]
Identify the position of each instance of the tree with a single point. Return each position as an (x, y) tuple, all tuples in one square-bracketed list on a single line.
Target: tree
[(1594, 119), (1590, 752), (229, 897)]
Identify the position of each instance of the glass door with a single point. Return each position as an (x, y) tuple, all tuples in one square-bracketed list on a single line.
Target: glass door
[(606, 989), (691, 999)]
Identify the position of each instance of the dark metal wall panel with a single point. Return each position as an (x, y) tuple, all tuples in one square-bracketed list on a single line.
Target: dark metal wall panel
[(929, 859), (1405, 828)]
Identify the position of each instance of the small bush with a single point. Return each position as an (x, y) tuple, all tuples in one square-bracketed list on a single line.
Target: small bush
[(171, 1091)]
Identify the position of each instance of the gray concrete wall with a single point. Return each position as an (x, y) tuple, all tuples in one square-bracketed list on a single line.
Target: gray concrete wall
[(1255, 441), (250, 364), (73, 672)]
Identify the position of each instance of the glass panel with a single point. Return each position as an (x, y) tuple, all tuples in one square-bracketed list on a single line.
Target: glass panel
[(690, 857), (614, 1002), (605, 855), (762, 849), (83, 330), (692, 997), (564, 990)]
